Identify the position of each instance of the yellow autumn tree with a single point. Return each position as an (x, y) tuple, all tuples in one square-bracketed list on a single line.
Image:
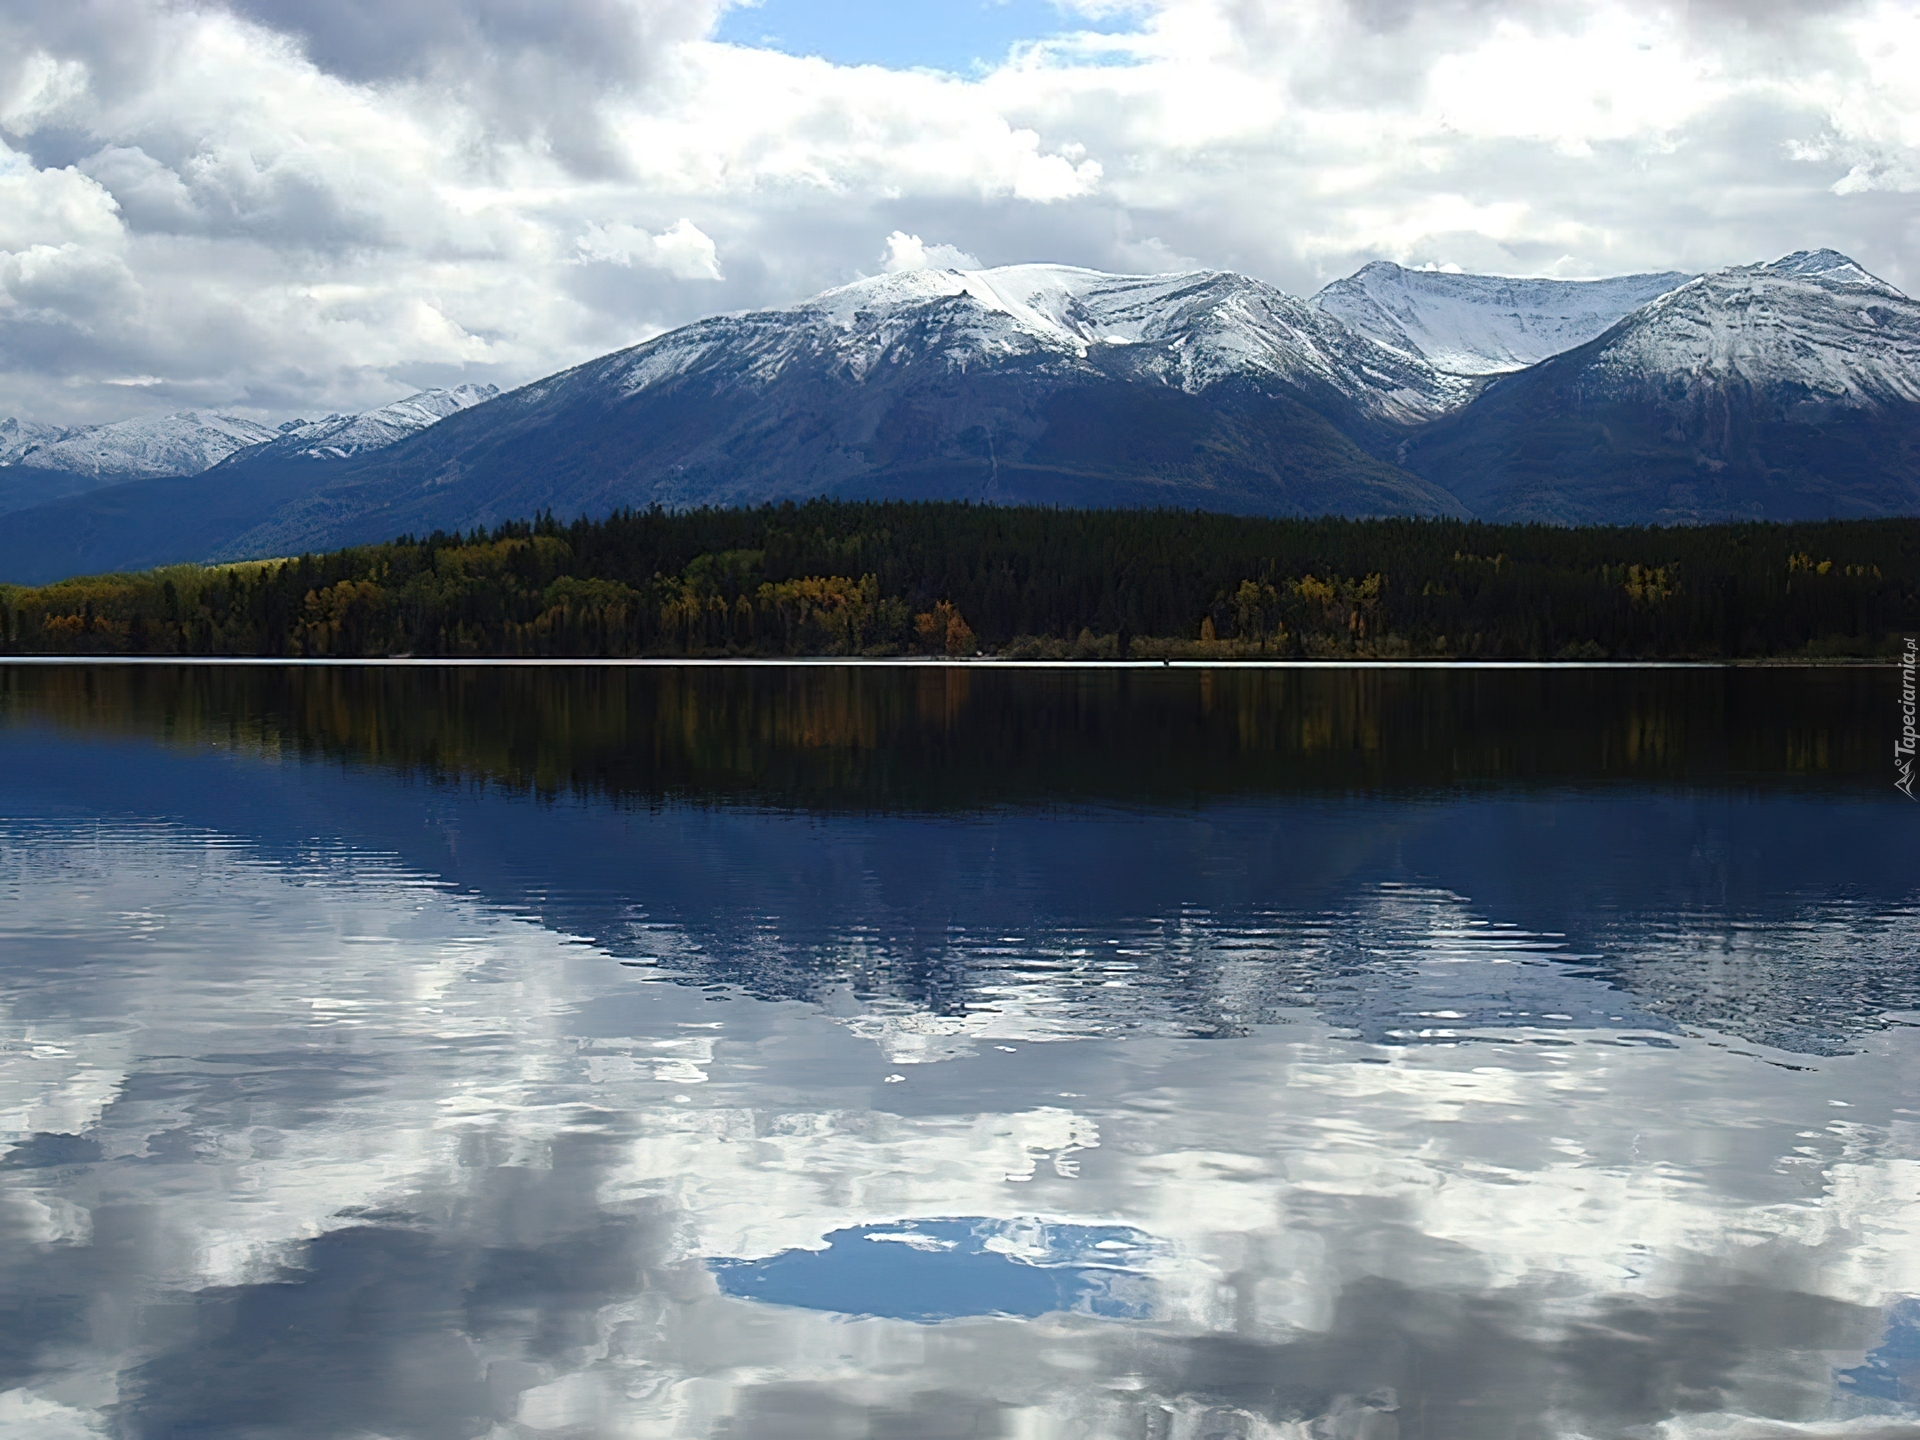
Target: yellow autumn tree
[(942, 630)]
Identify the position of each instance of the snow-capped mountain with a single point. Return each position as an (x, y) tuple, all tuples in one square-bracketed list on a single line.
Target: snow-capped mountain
[(338, 437), (1814, 326), (1780, 391), (42, 463), (1785, 390), (191, 441), (179, 444), (1483, 324), (17, 437), (1027, 384), (64, 523), (1188, 331)]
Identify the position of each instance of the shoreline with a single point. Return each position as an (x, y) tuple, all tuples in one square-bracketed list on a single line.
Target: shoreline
[(917, 662)]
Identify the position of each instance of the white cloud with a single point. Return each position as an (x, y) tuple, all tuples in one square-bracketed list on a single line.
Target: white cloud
[(1612, 79), (308, 207), (52, 207), (509, 1095), (910, 252), (682, 249), (41, 87), (64, 281)]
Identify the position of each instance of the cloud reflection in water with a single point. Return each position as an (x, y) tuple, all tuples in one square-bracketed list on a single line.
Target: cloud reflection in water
[(336, 1132)]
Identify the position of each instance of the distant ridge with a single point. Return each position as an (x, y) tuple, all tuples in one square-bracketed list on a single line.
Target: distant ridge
[(39, 462), (181, 508), (340, 437)]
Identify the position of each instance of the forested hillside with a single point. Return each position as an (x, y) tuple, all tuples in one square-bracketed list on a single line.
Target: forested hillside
[(833, 578)]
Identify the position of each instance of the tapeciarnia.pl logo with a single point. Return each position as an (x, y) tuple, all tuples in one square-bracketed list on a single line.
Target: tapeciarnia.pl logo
[(1903, 747)]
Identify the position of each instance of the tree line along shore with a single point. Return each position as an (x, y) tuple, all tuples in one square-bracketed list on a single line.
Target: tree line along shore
[(901, 578)]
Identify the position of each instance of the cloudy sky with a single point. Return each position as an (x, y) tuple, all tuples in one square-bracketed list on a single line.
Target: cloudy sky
[(283, 207)]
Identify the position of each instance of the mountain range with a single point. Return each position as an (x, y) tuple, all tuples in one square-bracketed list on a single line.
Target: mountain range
[(1773, 391), (41, 461), (169, 488)]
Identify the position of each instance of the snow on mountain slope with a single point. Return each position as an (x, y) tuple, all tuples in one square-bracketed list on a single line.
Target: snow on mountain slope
[(181, 444), (338, 436), (1188, 331), (19, 436), (1814, 323), (196, 440), (1483, 324)]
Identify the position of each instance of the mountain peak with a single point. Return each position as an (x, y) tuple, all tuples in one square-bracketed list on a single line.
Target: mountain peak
[(1783, 390), (1827, 265), (1814, 325), (1059, 306)]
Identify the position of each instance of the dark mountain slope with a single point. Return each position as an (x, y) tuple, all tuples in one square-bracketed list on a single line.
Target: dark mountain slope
[(1008, 437), (144, 523)]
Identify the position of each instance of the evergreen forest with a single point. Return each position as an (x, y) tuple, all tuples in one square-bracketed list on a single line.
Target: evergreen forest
[(834, 578)]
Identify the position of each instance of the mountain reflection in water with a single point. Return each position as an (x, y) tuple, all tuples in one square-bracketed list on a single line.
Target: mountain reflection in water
[(918, 1052)]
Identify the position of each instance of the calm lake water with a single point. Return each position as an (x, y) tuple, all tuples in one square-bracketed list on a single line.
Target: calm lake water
[(935, 1053)]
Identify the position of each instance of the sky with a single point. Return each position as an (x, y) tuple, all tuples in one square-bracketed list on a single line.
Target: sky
[(961, 37), (282, 208)]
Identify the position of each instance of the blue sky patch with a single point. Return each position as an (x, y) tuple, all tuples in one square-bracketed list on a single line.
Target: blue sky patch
[(932, 1270), (959, 36)]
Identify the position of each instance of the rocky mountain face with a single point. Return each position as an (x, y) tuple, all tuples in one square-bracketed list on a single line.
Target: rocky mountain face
[(1788, 390), (1477, 325)]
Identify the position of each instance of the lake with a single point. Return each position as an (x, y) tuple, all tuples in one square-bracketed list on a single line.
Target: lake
[(899, 1051)]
